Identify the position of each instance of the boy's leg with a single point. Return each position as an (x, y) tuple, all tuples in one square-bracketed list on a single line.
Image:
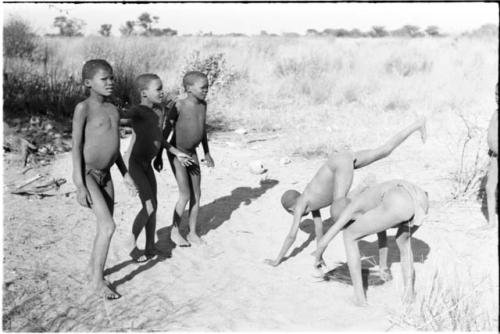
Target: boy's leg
[(396, 207), (182, 178), (108, 193), (361, 203), (102, 205), (403, 240), (383, 251), (151, 224), (366, 157), (146, 196), (194, 200), (343, 171), (491, 188)]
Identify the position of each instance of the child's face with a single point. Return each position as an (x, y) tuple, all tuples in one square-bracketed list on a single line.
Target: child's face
[(199, 89), (154, 93), (102, 82)]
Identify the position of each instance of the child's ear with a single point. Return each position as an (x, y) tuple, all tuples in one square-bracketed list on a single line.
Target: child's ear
[(86, 83), (143, 94)]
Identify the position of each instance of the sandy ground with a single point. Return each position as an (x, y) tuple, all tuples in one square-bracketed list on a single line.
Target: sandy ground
[(223, 285)]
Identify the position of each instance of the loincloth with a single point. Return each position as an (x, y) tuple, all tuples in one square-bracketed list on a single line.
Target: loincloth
[(420, 202), (101, 177)]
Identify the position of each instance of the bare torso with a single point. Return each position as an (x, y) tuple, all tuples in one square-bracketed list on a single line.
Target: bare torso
[(333, 180), (493, 133), (102, 135), (148, 133), (189, 125)]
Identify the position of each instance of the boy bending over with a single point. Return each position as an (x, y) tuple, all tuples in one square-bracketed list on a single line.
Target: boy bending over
[(331, 185), (96, 147), (395, 203)]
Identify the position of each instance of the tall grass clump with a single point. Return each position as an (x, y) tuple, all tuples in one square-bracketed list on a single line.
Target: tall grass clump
[(451, 302)]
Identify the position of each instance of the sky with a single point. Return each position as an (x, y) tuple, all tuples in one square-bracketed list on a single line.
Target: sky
[(192, 18)]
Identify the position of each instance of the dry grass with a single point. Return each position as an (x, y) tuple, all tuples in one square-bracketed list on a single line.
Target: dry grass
[(452, 301), (316, 92)]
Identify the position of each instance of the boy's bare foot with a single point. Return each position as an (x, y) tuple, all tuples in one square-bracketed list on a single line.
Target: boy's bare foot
[(359, 301), (177, 238), (145, 257), (102, 289), (423, 128), (195, 240)]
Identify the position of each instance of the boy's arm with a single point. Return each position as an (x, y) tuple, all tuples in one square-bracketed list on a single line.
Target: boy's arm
[(79, 120), (292, 234), (129, 182), (346, 215), (208, 157)]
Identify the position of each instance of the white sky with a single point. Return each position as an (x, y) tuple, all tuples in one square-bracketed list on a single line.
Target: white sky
[(191, 18)]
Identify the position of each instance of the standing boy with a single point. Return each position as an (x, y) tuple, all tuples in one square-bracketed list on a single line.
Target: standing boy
[(96, 147), (188, 119), (148, 120)]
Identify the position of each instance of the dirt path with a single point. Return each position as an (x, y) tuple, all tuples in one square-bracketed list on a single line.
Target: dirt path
[(224, 285)]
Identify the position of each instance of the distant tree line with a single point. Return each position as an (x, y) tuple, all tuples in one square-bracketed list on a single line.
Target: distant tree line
[(378, 32)]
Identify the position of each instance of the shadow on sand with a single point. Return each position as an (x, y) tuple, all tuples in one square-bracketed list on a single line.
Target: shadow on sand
[(307, 226), (369, 251), (211, 216)]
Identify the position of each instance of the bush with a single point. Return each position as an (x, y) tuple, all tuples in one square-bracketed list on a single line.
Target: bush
[(19, 40), (214, 67)]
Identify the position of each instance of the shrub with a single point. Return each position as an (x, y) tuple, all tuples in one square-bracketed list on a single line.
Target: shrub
[(19, 40), (214, 67)]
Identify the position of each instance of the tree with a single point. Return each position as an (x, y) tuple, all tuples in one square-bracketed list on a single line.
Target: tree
[(19, 40), (128, 28), (69, 27), (145, 21), (408, 31), (432, 31), (378, 31), (312, 32), (105, 30)]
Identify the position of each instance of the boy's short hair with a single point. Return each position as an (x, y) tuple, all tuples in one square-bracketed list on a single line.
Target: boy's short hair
[(191, 77), (289, 198), (91, 67), (141, 83)]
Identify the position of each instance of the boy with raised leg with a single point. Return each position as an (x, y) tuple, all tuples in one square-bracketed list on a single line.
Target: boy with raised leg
[(331, 184)]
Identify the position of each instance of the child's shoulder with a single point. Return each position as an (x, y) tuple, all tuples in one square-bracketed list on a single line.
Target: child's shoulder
[(82, 107)]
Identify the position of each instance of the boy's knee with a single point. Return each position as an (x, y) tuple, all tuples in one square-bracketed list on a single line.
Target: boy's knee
[(108, 228), (184, 197)]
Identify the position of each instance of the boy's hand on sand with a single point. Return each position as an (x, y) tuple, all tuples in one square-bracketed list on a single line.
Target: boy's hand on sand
[(273, 263), (83, 197), (130, 184), (184, 159), (209, 161), (158, 164)]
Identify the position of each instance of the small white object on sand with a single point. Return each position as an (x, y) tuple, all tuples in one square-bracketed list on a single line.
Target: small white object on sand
[(241, 131), (256, 167)]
